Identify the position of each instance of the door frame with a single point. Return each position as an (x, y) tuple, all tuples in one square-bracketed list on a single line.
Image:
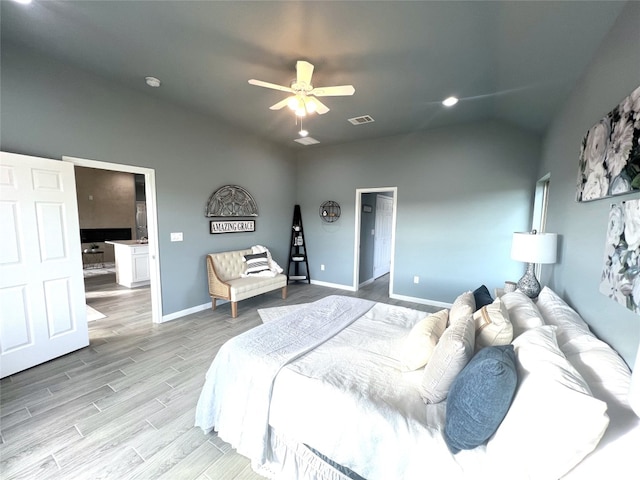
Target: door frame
[(376, 242), (152, 223), (358, 219)]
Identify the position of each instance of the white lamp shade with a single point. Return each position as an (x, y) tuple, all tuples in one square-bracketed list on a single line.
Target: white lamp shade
[(534, 247)]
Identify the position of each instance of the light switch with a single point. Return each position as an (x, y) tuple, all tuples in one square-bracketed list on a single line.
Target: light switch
[(176, 236)]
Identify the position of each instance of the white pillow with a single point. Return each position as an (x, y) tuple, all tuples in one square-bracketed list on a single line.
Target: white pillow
[(462, 307), (418, 346), (523, 313), (452, 353), (555, 311), (492, 325), (600, 365), (553, 422)]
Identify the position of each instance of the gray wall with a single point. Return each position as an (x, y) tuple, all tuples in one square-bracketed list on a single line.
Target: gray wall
[(50, 109), (612, 75), (462, 192)]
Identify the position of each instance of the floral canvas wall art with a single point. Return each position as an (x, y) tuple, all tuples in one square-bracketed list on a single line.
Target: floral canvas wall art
[(620, 276), (610, 153)]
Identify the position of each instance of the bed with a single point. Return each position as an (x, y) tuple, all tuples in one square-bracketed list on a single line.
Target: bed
[(325, 392)]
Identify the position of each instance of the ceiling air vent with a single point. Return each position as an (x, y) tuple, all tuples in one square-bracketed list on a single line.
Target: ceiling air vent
[(307, 140), (362, 120)]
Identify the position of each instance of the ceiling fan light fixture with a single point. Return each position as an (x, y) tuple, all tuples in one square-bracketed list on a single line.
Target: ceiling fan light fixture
[(450, 102), (311, 105), (294, 103), (303, 99)]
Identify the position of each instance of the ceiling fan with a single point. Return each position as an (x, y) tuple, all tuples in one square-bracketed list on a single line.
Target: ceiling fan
[(304, 99)]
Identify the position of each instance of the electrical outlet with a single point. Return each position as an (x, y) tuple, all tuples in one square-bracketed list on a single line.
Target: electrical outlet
[(322, 267), (176, 236), (416, 279)]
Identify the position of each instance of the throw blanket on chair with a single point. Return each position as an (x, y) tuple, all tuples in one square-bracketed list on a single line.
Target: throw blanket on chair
[(236, 395)]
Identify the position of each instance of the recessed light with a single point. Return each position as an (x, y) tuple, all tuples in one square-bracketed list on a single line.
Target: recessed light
[(23, 2), (450, 102), (152, 82), (303, 133)]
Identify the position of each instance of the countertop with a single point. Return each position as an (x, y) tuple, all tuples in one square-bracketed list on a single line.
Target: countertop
[(128, 243)]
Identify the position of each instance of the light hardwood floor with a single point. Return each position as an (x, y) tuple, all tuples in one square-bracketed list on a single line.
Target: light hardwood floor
[(123, 408)]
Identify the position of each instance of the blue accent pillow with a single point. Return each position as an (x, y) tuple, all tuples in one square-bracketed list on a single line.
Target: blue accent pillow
[(480, 397), (482, 297)]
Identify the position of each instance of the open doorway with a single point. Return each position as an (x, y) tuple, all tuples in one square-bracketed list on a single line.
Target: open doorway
[(375, 228), (145, 177)]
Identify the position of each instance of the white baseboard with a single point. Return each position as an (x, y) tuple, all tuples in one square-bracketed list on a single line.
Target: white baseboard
[(367, 282), (333, 285), (188, 311), (204, 306), (422, 301)]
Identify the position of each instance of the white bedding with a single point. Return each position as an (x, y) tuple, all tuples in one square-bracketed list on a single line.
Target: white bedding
[(349, 399), (236, 396)]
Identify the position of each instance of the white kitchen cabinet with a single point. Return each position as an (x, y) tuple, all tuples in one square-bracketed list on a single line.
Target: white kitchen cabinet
[(132, 263)]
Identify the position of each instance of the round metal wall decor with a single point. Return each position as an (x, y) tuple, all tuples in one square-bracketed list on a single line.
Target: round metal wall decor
[(231, 201), (330, 211)]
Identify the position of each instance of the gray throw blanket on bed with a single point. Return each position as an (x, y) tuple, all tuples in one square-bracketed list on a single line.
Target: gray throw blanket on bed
[(236, 395)]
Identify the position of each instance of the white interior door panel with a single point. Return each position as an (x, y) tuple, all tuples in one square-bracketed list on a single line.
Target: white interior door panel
[(42, 301)]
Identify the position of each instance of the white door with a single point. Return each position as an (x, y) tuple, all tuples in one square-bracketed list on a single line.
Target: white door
[(42, 303), (382, 237)]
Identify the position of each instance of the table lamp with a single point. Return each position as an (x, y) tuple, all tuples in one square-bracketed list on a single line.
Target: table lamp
[(533, 248)]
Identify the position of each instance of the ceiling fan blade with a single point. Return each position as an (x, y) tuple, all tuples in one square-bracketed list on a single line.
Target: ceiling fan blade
[(321, 108), (280, 104), (260, 83), (337, 91), (304, 70)]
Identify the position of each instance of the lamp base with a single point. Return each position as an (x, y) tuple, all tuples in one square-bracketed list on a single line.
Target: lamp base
[(529, 284)]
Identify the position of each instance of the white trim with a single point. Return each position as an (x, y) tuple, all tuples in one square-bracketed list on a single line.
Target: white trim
[(540, 207), (422, 301), (333, 285), (356, 240), (152, 223), (189, 311)]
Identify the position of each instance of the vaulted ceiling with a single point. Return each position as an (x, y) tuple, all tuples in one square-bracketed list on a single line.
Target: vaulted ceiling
[(511, 61)]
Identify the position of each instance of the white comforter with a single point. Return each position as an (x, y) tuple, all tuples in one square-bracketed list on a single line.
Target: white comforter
[(350, 400), (345, 396), (322, 378), (235, 399)]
